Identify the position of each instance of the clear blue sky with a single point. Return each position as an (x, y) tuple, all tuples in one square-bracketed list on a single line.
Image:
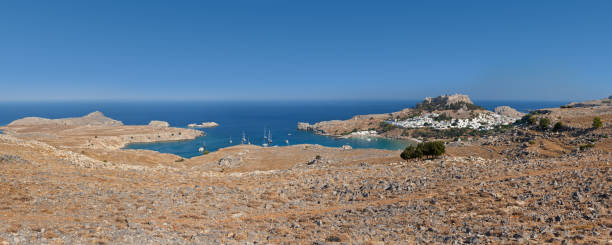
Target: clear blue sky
[(254, 50)]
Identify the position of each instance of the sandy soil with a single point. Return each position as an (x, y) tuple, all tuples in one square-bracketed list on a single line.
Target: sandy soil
[(65, 186)]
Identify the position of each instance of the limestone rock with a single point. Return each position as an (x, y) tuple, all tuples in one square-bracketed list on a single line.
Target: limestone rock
[(203, 125), (230, 161), (508, 111), (450, 99), (161, 124), (92, 119)]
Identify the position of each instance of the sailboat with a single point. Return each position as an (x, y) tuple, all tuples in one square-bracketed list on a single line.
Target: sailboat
[(202, 148), (265, 139), (243, 140), (269, 136), (230, 141), (264, 144)]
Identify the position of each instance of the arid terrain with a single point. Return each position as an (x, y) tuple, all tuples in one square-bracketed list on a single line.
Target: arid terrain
[(69, 182)]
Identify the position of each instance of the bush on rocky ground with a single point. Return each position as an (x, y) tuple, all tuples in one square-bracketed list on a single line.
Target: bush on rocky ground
[(429, 149), (558, 127), (597, 122), (544, 123)]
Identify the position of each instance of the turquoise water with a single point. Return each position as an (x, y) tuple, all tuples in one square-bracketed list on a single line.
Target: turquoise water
[(237, 117)]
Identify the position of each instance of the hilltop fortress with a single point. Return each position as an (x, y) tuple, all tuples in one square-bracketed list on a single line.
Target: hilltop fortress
[(443, 112)]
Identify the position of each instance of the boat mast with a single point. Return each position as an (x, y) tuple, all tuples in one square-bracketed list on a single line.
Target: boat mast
[(269, 136)]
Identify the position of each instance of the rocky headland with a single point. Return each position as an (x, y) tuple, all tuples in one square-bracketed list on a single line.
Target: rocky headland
[(98, 136), (440, 113), (525, 184)]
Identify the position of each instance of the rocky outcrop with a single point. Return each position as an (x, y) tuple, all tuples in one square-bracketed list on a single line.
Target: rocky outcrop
[(508, 111), (92, 119), (448, 102), (203, 125), (457, 106), (591, 103), (96, 131), (449, 99), (160, 124), (230, 161), (304, 126)]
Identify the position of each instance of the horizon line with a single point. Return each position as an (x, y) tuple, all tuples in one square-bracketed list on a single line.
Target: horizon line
[(267, 100)]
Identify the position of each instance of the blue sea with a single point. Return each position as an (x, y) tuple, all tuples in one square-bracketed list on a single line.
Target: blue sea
[(236, 117)]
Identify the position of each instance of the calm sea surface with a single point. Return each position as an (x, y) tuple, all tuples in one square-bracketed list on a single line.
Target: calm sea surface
[(235, 118)]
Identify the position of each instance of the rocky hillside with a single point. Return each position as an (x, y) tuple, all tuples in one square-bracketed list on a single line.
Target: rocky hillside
[(508, 111), (521, 187), (448, 102), (591, 103), (93, 119), (457, 106), (95, 131)]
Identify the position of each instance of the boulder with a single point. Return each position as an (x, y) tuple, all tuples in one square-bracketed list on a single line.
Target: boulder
[(230, 161)]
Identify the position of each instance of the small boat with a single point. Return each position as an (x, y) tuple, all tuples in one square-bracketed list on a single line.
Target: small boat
[(369, 139), (230, 141), (203, 148), (269, 136), (287, 141), (243, 140)]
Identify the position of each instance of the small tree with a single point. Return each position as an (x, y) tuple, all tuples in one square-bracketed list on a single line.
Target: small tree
[(558, 127), (544, 123), (434, 149), (430, 149), (597, 122), (412, 152), (531, 119)]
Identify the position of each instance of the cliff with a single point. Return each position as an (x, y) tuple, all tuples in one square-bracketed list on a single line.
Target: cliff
[(448, 102)]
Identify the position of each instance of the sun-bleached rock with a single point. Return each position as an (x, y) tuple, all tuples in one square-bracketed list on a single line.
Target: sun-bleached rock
[(161, 124), (95, 118), (203, 125), (508, 111)]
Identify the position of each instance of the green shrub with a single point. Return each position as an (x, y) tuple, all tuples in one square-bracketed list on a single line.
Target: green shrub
[(528, 119), (558, 127), (587, 146), (430, 149), (411, 152), (597, 122), (544, 123), (386, 127)]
